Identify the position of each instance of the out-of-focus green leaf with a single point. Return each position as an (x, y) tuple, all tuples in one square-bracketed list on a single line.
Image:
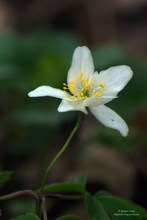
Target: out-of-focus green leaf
[(80, 180), (68, 217), (5, 176), (64, 187), (119, 208), (18, 206), (104, 193), (95, 209), (108, 55), (28, 216), (26, 63), (11, 46)]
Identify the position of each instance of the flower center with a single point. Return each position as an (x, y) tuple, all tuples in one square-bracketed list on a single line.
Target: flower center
[(84, 87), (84, 94)]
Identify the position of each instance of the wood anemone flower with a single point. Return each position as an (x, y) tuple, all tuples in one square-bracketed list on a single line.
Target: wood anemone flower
[(88, 89)]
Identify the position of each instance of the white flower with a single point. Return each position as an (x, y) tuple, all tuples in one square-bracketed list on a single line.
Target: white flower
[(86, 88)]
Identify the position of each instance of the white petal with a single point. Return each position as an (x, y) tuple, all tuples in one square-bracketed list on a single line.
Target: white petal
[(110, 119), (92, 101), (82, 62), (115, 78), (48, 91), (71, 106)]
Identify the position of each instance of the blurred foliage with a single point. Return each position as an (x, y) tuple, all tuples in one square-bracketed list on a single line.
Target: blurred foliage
[(68, 217), (5, 176), (25, 63), (28, 216), (19, 206)]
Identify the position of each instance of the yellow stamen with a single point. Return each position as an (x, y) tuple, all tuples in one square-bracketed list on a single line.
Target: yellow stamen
[(84, 88), (72, 87), (65, 88), (87, 82), (64, 84), (71, 82), (94, 80), (97, 94), (80, 75), (101, 87)]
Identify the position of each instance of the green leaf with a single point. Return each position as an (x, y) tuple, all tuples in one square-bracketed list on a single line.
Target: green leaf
[(103, 193), (28, 216), (120, 208), (68, 217), (5, 176), (80, 180), (95, 209), (64, 187), (19, 205)]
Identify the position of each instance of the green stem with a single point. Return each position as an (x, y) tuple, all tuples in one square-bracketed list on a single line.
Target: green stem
[(59, 154)]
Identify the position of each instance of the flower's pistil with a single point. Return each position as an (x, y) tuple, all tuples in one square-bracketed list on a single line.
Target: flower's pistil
[(84, 94), (83, 87)]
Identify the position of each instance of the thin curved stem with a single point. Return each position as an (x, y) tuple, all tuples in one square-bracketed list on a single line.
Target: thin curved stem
[(62, 196), (30, 193), (59, 154), (44, 210)]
